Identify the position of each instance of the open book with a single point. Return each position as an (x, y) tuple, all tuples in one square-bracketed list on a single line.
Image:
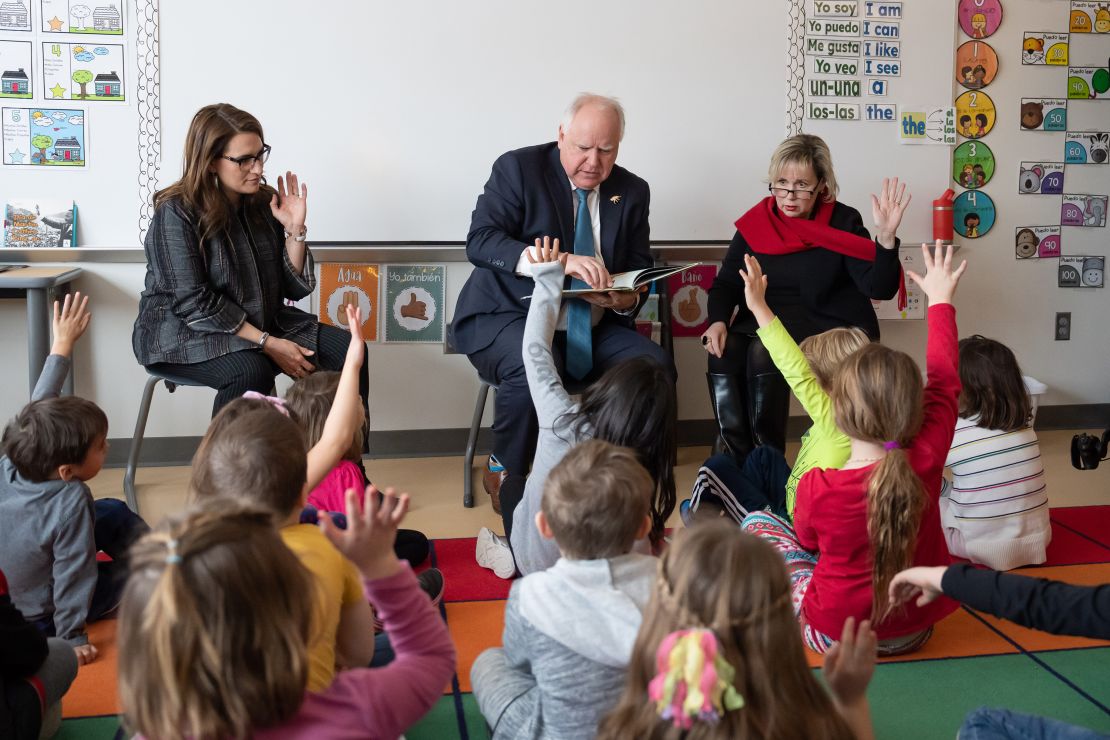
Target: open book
[(628, 282)]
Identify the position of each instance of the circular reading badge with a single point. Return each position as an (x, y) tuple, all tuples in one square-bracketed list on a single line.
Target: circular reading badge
[(973, 214), (976, 64), (980, 18), (974, 114), (972, 164)]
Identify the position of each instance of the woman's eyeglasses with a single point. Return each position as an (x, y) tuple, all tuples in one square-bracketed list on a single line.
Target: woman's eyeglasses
[(796, 192), (246, 162)]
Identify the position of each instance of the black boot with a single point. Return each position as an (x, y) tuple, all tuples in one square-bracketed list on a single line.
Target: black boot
[(726, 393), (769, 396)]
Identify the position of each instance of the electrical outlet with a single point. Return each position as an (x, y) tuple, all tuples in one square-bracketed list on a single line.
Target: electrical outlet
[(1063, 326)]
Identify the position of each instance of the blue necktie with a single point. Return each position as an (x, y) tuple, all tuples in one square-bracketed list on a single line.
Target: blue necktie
[(579, 332)]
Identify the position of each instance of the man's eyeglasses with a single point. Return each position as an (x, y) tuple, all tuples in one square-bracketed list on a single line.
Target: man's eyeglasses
[(796, 192), (246, 162)]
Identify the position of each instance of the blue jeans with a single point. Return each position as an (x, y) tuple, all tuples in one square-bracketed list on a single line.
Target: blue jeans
[(759, 484), (986, 723)]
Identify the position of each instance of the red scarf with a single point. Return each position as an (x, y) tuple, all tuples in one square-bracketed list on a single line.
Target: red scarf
[(767, 231)]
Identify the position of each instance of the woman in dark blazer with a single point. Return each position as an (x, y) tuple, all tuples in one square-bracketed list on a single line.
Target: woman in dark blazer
[(224, 252), (823, 269)]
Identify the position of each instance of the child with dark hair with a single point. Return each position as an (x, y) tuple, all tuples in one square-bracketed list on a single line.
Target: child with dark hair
[(569, 629), (50, 526), (35, 672), (995, 509), (631, 405)]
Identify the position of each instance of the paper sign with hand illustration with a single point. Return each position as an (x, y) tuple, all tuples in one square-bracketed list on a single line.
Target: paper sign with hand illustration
[(413, 307), (350, 284), (689, 295)]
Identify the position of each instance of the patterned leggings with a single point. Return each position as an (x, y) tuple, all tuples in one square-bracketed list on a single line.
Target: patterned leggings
[(799, 566)]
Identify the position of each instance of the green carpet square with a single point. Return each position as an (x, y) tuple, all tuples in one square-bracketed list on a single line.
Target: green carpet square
[(89, 728), (1087, 669)]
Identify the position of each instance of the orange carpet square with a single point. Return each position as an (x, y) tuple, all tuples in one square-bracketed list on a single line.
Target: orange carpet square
[(474, 626), (94, 691)]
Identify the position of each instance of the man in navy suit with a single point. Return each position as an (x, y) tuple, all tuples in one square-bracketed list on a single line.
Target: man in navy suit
[(533, 193)]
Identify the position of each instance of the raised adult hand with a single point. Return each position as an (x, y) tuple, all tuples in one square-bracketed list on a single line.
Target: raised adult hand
[(291, 357), (887, 209), (290, 206)]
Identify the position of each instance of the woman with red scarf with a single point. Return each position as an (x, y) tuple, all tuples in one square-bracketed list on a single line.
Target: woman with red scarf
[(823, 269)]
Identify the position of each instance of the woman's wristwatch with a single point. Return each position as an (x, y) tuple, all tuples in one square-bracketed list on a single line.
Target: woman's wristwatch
[(298, 237)]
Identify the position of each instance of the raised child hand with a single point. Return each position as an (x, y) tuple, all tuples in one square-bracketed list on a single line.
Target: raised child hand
[(71, 318), (755, 290), (921, 581), (940, 280), (546, 251), (371, 530), (354, 324), (850, 663)]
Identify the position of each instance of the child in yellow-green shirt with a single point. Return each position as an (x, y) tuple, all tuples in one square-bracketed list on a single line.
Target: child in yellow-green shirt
[(765, 480)]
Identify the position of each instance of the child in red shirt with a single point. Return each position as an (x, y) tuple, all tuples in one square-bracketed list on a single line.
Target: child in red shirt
[(855, 528)]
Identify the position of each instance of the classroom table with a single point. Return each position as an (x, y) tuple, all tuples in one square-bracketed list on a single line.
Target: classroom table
[(35, 284)]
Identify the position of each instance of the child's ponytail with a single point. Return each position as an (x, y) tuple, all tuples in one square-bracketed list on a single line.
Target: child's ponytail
[(877, 396), (895, 501)]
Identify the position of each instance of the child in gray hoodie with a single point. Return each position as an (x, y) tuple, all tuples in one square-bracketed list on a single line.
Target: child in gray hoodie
[(569, 629)]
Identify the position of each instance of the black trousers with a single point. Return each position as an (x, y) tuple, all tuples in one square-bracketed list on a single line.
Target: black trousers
[(767, 391), (234, 374)]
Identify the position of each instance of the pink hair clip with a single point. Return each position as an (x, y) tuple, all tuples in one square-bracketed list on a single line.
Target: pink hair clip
[(277, 403)]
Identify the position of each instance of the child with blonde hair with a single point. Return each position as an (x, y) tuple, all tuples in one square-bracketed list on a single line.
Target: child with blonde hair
[(765, 480), (569, 629), (995, 509), (727, 663), (854, 528), (214, 631)]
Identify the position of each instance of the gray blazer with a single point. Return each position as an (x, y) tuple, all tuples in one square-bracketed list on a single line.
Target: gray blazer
[(198, 294)]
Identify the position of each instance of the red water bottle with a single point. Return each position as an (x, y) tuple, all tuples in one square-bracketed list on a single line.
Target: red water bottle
[(942, 216)]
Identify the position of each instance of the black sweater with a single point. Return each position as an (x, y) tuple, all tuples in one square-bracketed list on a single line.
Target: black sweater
[(813, 290), (1051, 606)]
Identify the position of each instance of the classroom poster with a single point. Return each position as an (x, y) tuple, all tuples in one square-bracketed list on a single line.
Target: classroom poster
[(972, 164), (911, 259), (16, 70), (1087, 147), (83, 72), (1044, 47), (973, 214), (15, 15), (927, 125), (1088, 83), (354, 284), (1041, 178), (82, 16), (1082, 271), (1083, 210), (44, 136), (413, 306), (976, 64), (1089, 17), (979, 18), (975, 114), (1044, 114), (1037, 241), (689, 292)]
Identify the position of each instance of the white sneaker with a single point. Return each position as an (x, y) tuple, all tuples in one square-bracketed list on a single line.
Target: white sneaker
[(492, 551)]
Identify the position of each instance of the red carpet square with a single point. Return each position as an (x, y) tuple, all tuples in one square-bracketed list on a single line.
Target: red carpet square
[(465, 579), (1092, 521), (1069, 548)]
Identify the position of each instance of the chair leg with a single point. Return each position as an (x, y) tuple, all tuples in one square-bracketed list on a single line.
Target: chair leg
[(137, 443), (471, 443)]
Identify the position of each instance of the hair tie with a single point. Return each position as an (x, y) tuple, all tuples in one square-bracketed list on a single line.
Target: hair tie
[(692, 681), (277, 403), (172, 558), (892, 445)]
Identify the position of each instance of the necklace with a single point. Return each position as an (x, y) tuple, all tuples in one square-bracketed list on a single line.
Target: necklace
[(864, 459)]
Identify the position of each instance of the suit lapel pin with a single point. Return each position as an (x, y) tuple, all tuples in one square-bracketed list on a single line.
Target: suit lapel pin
[(615, 199)]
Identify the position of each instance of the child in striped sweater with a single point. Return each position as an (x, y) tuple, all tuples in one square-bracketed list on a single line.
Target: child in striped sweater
[(994, 510)]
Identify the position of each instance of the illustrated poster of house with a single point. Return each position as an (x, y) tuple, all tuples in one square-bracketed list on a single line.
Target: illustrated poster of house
[(15, 15), (15, 69), (44, 136), (82, 16), (83, 72)]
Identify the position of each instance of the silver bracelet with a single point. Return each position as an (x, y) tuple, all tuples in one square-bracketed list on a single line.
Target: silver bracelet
[(300, 237), (262, 340)]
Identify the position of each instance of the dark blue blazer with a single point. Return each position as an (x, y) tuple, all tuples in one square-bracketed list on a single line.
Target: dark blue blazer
[(528, 196)]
